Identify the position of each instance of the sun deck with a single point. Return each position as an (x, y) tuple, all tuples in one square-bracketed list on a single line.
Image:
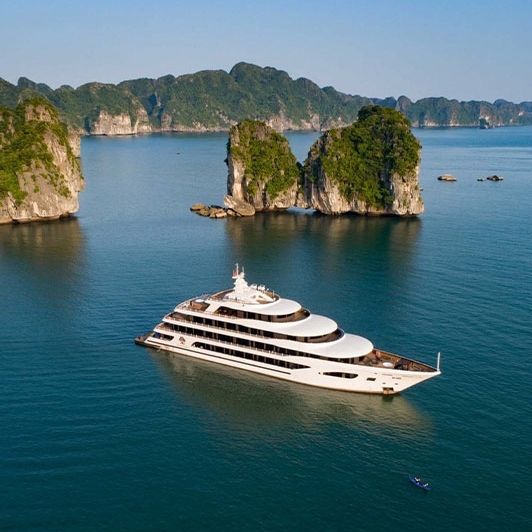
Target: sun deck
[(383, 359), (267, 295)]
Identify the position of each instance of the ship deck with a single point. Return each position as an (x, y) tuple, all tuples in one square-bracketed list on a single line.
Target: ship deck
[(383, 359)]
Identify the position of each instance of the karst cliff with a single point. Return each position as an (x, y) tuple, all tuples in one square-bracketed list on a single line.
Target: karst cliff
[(262, 170), (40, 174), (215, 100), (370, 167)]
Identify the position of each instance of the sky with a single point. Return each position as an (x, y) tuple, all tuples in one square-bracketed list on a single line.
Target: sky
[(458, 49)]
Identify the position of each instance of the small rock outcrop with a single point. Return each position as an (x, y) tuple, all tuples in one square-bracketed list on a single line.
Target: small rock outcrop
[(241, 208), (446, 177), (209, 211), (232, 208), (40, 175)]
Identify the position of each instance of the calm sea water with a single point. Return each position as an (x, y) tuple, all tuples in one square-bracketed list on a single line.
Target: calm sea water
[(100, 434)]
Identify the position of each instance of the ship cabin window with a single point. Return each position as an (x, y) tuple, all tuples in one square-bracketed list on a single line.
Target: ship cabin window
[(371, 379), (233, 326), (250, 356), (162, 336), (340, 374)]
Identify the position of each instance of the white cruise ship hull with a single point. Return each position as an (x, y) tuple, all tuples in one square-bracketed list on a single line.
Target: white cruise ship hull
[(253, 329), (375, 378)]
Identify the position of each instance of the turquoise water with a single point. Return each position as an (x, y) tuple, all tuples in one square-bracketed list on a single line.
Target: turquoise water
[(101, 434)]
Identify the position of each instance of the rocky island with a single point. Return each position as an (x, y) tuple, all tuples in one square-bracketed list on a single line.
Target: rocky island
[(215, 100), (40, 173), (370, 167)]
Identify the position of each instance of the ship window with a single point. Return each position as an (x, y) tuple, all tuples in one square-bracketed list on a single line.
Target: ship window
[(341, 374), (163, 336), (250, 356), (371, 379)]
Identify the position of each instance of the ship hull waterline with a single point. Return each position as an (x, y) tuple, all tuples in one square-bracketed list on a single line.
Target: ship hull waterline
[(386, 381)]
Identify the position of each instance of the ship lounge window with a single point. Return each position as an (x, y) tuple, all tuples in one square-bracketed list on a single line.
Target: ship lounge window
[(249, 356), (242, 328), (340, 374), (226, 311), (162, 336)]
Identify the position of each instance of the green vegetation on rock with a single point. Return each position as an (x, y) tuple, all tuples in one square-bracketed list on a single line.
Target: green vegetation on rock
[(24, 151), (215, 100), (82, 107), (265, 156), (359, 158)]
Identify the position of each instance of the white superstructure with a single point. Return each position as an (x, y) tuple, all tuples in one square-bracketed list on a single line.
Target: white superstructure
[(250, 327)]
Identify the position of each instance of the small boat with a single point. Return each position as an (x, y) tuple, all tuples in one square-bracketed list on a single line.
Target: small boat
[(419, 483), (446, 177)]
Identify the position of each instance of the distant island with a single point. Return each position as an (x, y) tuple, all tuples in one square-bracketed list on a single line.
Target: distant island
[(215, 100)]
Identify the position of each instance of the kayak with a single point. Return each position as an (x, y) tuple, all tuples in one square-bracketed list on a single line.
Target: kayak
[(419, 483)]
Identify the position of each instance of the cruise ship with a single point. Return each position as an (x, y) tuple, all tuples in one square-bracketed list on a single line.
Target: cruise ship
[(252, 328)]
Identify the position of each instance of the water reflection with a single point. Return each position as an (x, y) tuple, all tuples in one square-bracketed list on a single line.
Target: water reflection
[(347, 267), (327, 238), (338, 229), (36, 241), (262, 404), (43, 259)]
